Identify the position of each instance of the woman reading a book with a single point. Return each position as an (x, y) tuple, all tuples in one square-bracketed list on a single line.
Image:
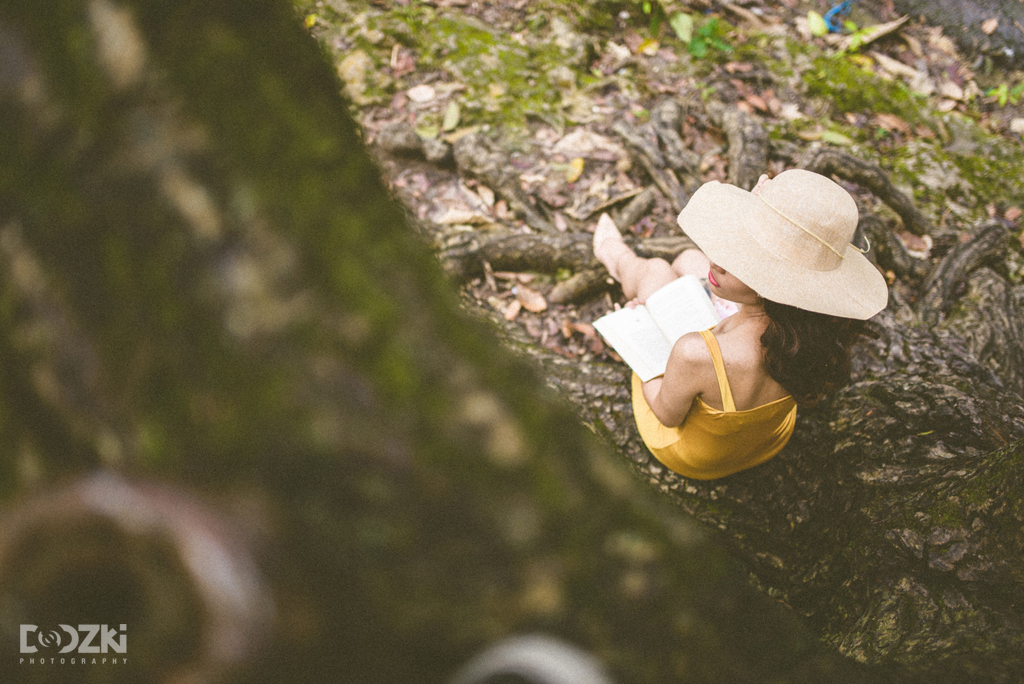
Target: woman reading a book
[(783, 254)]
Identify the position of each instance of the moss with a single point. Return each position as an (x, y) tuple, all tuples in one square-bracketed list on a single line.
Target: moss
[(505, 81), (975, 168), (853, 89)]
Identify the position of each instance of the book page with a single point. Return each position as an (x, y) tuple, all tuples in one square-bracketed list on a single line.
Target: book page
[(683, 306), (637, 339)]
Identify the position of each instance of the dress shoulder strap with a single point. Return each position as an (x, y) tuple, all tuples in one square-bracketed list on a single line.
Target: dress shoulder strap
[(716, 358)]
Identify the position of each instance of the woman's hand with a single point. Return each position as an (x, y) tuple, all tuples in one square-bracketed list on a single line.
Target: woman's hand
[(760, 183)]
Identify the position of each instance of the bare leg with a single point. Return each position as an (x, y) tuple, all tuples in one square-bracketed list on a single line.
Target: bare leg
[(691, 262), (639, 277)]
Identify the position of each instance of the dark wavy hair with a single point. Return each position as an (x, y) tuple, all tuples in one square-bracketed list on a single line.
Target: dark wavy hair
[(808, 353)]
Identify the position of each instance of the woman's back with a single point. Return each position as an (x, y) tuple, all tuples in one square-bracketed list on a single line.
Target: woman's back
[(743, 358), (784, 253), (712, 442)]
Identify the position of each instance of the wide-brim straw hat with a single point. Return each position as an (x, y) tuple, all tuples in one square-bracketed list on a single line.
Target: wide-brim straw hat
[(790, 243)]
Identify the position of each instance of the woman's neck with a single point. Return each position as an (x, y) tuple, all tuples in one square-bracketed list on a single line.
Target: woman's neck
[(745, 313)]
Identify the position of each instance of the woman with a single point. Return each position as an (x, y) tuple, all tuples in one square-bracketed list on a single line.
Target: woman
[(782, 254)]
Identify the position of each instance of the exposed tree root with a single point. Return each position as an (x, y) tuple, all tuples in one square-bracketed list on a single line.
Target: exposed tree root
[(476, 156), (650, 157)]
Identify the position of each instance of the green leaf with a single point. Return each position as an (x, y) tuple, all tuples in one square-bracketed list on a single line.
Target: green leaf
[(682, 24), (1015, 93), (1002, 93), (850, 26), (451, 116), (707, 91), (721, 45), (427, 131), (835, 138), (647, 7), (709, 28), (698, 47), (817, 24)]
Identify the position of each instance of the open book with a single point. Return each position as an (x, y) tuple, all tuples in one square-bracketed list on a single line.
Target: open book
[(643, 336)]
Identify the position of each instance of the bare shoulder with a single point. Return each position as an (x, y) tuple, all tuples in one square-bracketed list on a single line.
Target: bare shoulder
[(691, 351)]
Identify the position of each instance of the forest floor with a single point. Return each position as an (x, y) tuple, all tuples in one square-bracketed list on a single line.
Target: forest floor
[(548, 81)]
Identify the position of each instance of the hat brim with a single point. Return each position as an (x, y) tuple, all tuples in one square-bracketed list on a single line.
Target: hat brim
[(720, 217)]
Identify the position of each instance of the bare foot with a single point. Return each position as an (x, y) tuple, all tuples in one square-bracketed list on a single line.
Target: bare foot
[(608, 244)]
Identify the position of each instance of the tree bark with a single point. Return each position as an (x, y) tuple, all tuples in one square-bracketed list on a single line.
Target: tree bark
[(224, 349)]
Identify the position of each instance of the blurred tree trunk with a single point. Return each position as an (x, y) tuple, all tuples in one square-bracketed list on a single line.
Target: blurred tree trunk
[(226, 357), (242, 414), (963, 22)]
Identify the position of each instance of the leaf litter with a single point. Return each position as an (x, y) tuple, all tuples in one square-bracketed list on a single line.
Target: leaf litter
[(549, 84)]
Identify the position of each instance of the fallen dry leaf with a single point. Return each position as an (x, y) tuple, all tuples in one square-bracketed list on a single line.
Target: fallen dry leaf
[(951, 90), (589, 145), (917, 245), (513, 310), (1012, 213), (891, 122), (914, 44), (486, 194), (575, 170), (790, 111), (894, 66), (870, 34), (757, 102), (989, 26), (585, 328), (531, 300), (741, 67), (649, 47)]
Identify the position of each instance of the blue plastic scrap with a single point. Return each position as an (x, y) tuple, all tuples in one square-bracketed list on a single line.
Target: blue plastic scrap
[(840, 10)]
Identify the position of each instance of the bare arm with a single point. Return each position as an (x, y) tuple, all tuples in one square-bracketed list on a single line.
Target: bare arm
[(689, 373)]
